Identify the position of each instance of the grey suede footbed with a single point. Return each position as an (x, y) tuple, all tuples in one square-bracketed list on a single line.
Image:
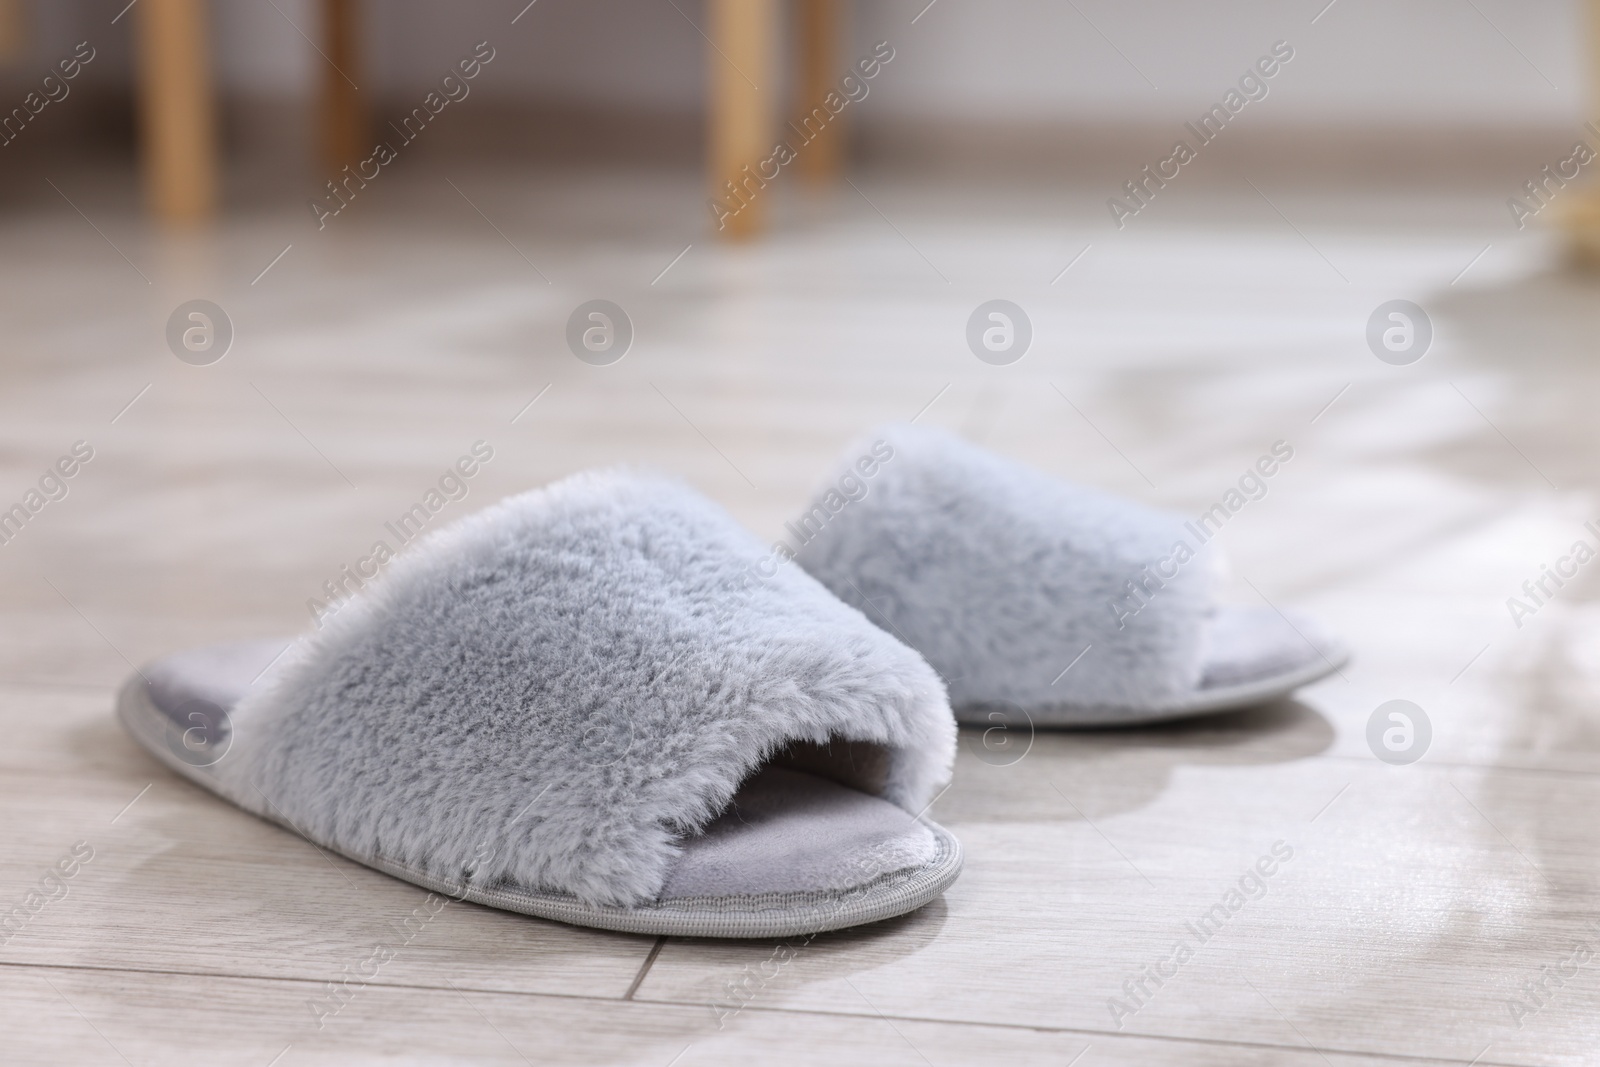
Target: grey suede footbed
[(771, 865), (1251, 656)]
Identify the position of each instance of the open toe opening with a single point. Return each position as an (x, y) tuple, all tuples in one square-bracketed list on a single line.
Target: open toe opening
[(1247, 645), (795, 831)]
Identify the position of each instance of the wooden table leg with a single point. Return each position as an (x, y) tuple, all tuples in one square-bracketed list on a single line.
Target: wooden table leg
[(743, 87), (1578, 209), (820, 71), (11, 30), (341, 118), (178, 110)]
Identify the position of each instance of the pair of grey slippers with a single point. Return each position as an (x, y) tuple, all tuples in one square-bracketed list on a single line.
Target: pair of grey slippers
[(604, 702)]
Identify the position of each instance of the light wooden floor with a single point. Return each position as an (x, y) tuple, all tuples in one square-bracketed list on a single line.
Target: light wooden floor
[(1419, 898)]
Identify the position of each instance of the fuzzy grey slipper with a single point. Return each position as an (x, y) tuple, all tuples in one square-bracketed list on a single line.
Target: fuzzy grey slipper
[(596, 703), (1029, 594)]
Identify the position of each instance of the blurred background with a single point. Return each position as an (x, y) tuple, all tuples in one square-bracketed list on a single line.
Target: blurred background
[(1426, 91)]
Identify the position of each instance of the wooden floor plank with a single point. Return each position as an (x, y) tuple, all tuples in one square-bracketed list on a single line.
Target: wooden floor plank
[(181, 881), (1420, 900), (1415, 904), (51, 1015)]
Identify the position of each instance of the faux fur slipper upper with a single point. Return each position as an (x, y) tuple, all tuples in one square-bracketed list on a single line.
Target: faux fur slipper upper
[(1030, 594), (599, 703)]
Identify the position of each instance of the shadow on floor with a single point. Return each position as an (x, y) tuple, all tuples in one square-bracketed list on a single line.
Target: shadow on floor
[(1069, 775)]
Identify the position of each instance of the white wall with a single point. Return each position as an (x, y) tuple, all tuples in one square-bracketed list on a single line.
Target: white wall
[(1382, 61), (1390, 62), (259, 51), (618, 52)]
